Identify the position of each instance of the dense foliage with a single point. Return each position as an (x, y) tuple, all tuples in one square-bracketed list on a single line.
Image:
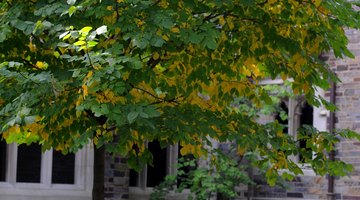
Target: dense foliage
[(123, 72)]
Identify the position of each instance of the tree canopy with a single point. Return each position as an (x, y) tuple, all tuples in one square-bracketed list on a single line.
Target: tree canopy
[(123, 72)]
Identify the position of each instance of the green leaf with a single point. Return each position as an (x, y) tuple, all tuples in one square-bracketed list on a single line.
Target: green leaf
[(91, 44), (157, 41), (72, 10), (4, 32), (85, 30), (100, 110), (132, 116), (151, 111), (195, 38), (79, 43)]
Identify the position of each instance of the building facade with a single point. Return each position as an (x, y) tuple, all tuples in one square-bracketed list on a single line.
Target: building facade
[(347, 99), (28, 174), (308, 186)]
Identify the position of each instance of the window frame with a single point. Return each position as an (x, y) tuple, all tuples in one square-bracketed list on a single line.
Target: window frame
[(83, 176), (320, 115), (141, 191), (171, 160), (295, 105)]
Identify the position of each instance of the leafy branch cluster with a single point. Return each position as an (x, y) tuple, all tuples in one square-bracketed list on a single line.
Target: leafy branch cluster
[(124, 72)]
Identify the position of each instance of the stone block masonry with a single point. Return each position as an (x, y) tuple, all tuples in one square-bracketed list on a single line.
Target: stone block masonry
[(116, 184)]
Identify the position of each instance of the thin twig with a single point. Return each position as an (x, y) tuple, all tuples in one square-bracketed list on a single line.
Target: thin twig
[(161, 100), (147, 92), (28, 78), (87, 53), (117, 10), (32, 65)]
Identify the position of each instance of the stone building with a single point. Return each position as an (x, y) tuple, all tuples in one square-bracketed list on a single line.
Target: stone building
[(123, 184), (308, 186), (347, 96), (28, 174)]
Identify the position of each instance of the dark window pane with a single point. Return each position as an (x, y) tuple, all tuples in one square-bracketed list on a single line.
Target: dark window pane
[(306, 119), (2, 160), (133, 182), (63, 168), (281, 121), (28, 164), (156, 173), (306, 115)]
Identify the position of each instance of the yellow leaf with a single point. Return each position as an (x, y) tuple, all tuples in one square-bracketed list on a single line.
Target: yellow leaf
[(110, 19), (250, 61), (317, 3), (256, 71), (306, 88), (230, 23), (135, 134), (85, 30), (80, 43), (44, 135), (299, 61), (187, 149), (117, 31), (175, 30), (222, 20), (126, 75), (180, 4), (139, 22), (36, 127), (156, 55), (32, 47), (41, 65), (89, 74), (56, 54), (98, 132), (272, 1), (254, 46), (164, 3), (241, 151), (12, 130), (165, 37), (85, 90), (246, 71), (67, 122), (296, 91)]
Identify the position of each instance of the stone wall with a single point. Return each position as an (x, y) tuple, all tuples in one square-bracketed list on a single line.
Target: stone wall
[(348, 115), (116, 184), (311, 186)]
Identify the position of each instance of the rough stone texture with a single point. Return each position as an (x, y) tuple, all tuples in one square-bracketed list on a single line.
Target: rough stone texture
[(116, 184), (347, 117)]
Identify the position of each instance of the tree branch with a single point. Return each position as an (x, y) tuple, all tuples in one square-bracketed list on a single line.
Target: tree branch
[(32, 65), (161, 100), (88, 55), (117, 10)]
